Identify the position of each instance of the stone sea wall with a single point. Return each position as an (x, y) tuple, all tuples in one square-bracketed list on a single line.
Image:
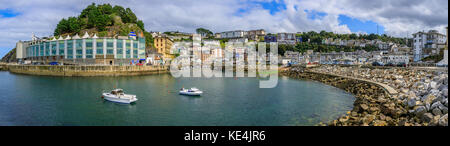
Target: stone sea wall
[(48, 70), (374, 105)]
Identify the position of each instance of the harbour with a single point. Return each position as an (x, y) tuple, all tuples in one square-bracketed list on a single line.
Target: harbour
[(76, 101)]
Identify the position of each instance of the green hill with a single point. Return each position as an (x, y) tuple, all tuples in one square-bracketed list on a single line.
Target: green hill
[(105, 20)]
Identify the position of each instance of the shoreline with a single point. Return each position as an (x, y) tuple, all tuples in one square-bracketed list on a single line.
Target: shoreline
[(375, 104)]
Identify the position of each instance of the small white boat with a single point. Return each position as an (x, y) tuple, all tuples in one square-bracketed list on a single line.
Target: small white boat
[(191, 92), (117, 95)]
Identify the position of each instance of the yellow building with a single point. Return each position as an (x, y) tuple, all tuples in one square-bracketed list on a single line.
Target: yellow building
[(163, 46)]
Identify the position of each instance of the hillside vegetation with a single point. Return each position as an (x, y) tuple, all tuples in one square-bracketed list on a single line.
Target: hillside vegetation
[(104, 19)]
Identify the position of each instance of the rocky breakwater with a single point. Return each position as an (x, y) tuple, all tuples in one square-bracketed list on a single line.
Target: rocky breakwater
[(422, 98)]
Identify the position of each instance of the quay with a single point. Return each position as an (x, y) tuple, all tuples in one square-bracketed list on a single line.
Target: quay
[(88, 70)]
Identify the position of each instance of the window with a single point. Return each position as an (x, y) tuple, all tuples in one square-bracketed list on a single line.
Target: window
[(61, 48), (79, 48), (109, 44), (89, 44), (99, 51), (41, 50), (47, 49), (89, 53), (99, 47), (69, 49), (110, 51), (110, 47), (119, 44), (89, 48)]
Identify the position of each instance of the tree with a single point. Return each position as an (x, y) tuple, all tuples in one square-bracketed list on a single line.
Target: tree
[(353, 36), (204, 32), (140, 24), (100, 17), (74, 25), (148, 39)]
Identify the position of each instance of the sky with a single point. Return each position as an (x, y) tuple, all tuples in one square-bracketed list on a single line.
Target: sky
[(400, 18)]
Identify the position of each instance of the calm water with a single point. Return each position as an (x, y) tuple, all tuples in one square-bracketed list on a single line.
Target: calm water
[(43, 100)]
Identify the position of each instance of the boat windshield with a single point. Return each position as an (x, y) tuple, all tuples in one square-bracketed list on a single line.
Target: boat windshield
[(116, 92)]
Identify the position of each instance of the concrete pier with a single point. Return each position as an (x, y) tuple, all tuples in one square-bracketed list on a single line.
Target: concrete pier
[(49, 70)]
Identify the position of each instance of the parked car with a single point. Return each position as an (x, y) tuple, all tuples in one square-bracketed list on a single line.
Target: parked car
[(377, 64), (390, 64), (401, 64), (53, 63), (139, 64)]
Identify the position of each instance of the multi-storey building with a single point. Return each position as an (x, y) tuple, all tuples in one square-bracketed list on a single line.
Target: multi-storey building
[(256, 34), (427, 43), (83, 50), (233, 34), (163, 45), (286, 38)]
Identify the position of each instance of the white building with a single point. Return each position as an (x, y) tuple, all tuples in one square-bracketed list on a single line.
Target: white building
[(427, 43), (395, 58), (233, 34), (286, 38)]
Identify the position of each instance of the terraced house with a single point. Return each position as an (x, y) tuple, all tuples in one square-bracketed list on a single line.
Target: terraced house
[(78, 50)]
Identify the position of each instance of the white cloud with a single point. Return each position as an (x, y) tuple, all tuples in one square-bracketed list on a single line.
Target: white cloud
[(399, 17)]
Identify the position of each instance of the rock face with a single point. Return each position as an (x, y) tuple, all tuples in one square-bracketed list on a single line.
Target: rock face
[(422, 98)]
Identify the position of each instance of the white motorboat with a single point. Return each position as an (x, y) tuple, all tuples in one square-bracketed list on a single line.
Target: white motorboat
[(117, 95), (191, 92)]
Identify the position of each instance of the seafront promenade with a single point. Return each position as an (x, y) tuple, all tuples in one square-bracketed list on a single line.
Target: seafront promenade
[(386, 97), (94, 70)]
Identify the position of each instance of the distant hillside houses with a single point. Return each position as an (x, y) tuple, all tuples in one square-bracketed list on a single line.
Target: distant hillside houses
[(251, 35), (394, 55), (359, 43)]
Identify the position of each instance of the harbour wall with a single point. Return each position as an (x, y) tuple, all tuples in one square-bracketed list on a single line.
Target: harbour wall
[(82, 71), (3, 67)]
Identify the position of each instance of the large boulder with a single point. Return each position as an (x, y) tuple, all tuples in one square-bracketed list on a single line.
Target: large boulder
[(412, 102), (429, 99), (427, 117), (420, 110), (434, 85), (437, 112), (436, 105), (364, 107)]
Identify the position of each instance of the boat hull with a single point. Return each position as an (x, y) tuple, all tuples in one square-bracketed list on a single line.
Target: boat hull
[(197, 93)]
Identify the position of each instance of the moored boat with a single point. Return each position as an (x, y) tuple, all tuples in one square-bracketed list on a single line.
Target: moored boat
[(191, 92), (119, 96)]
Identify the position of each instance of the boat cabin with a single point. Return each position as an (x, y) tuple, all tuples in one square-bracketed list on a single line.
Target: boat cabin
[(117, 92)]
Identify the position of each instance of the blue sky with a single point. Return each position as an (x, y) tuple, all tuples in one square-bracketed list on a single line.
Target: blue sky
[(7, 13), (356, 25)]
